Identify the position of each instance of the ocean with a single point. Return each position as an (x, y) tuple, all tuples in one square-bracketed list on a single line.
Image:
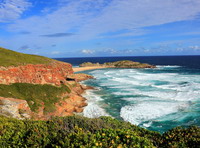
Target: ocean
[(156, 99)]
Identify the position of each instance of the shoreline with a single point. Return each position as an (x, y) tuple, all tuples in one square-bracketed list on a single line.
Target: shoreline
[(78, 69)]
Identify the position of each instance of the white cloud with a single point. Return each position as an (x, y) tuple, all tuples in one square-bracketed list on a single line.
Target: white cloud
[(12, 9), (195, 47), (189, 49), (55, 52), (87, 51), (133, 14), (90, 19)]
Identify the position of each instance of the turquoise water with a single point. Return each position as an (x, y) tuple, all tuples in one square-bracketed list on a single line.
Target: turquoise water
[(157, 99)]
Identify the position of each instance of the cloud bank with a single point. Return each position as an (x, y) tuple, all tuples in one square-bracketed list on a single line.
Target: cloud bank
[(68, 22)]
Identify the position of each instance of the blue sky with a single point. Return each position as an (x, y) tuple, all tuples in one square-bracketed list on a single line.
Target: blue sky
[(82, 28)]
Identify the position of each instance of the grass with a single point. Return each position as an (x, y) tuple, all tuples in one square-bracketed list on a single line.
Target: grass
[(81, 132), (12, 58), (35, 94)]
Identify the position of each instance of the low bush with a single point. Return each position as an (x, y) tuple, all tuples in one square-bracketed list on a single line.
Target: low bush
[(81, 132)]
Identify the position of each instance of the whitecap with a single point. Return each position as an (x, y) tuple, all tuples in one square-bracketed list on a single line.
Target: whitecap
[(93, 109), (156, 95), (148, 124), (168, 66), (122, 93), (147, 111)]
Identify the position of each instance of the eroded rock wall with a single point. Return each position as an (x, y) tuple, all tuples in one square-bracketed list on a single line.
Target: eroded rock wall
[(54, 73), (15, 108)]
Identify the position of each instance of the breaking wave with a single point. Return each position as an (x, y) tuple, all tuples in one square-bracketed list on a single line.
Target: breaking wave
[(145, 96)]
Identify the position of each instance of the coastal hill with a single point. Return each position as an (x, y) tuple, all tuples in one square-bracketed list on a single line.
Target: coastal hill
[(47, 94), (118, 64), (12, 58), (38, 87)]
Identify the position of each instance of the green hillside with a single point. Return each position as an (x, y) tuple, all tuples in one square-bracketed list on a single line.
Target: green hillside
[(12, 58)]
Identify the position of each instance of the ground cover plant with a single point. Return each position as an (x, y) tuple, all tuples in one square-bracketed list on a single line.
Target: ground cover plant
[(81, 132)]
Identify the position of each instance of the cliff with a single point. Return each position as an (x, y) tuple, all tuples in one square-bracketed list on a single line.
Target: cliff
[(15, 108), (119, 64), (38, 87), (53, 73)]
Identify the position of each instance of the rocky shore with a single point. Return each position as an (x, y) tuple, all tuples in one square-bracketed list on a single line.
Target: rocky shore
[(56, 74), (39, 88)]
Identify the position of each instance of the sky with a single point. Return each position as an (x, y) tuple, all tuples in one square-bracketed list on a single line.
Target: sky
[(98, 28)]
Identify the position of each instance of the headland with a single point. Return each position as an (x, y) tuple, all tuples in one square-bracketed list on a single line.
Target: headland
[(117, 64)]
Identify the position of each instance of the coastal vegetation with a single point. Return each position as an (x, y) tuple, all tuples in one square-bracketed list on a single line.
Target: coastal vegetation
[(35, 94), (12, 58), (81, 132)]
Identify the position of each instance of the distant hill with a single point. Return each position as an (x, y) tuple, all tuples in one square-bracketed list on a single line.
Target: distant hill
[(119, 64), (12, 58)]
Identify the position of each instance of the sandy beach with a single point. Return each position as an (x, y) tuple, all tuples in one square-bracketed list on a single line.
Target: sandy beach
[(77, 69)]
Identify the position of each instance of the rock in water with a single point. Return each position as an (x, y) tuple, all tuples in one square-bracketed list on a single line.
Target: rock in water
[(119, 64)]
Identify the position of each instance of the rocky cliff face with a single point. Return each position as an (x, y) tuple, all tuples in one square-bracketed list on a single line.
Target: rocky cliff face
[(15, 108), (69, 104), (54, 73), (75, 103)]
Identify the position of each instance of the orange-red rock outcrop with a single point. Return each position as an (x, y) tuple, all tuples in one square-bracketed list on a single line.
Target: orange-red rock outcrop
[(54, 73)]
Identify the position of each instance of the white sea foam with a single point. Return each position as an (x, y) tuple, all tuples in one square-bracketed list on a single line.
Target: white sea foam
[(136, 99), (148, 111), (168, 66), (147, 124), (93, 109), (153, 95), (122, 93)]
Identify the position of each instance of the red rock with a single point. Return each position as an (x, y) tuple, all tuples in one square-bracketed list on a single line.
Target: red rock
[(52, 73), (55, 74)]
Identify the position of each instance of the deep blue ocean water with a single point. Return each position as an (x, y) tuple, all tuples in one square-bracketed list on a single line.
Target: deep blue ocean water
[(157, 99)]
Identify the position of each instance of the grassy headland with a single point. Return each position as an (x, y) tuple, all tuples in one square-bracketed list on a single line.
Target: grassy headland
[(12, 58), (34, 94)]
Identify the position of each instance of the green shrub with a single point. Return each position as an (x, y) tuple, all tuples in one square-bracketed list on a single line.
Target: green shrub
[(182, 137), (81, 132)]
